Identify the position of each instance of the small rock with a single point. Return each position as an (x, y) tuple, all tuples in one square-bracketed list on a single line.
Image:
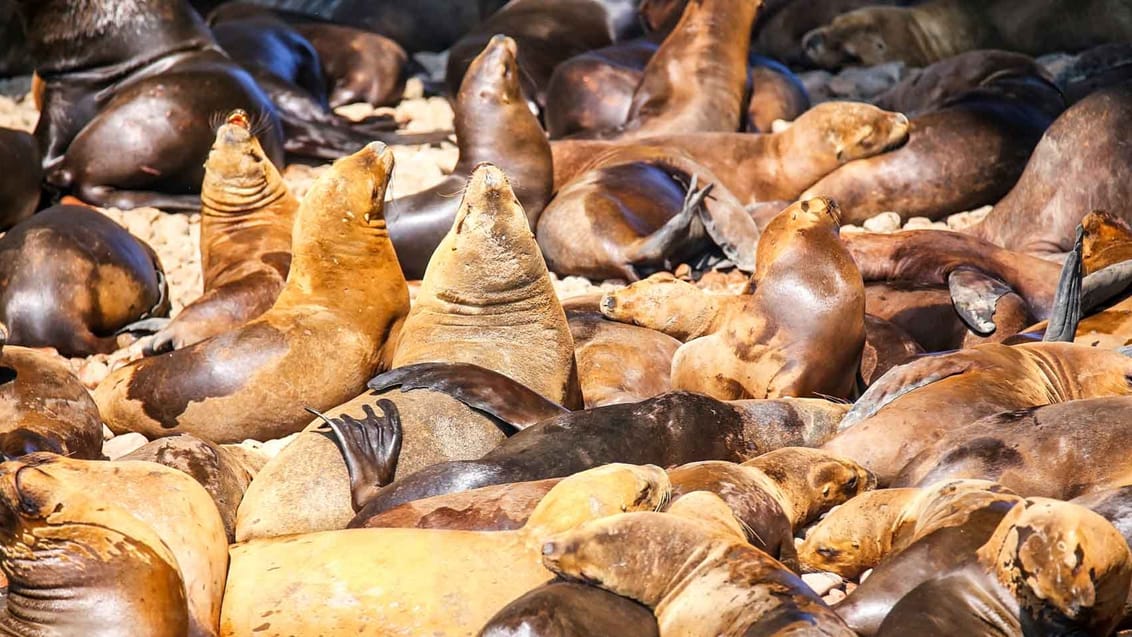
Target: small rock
[(121, 445), (919, 223), (779, 125), (834, 596), (884, 222), (865, 576), (93, 372), (271, 448), (850, 228), (106, 433), (822, 582)]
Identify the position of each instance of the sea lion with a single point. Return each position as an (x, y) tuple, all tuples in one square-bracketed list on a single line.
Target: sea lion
[(591, 92), (1094, 69), (70, 278), (886, 346), (81, 538), (570, 609), (758, 345), (358, 65), (504, 314), (245, 239), (19, 188), (254, 381), (699, 576), (15, 58), (782, 24), (222, 473), (938, 29), (915, 404), (496, 567), (44, 407), (149, 66), (776, 94), (1040, 213), (498, 507), (672, 429), (493, 124), (1055, 451)]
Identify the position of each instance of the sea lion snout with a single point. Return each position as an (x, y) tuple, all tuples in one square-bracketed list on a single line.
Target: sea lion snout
[(607, 304)]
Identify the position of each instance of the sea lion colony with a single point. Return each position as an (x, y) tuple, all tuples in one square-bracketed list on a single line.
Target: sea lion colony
[(384, 414)]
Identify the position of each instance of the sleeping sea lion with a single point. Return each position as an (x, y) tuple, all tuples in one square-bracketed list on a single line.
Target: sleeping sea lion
[(20, 185)]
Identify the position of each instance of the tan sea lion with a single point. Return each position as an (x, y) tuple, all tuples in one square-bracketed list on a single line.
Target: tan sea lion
[(245, 238), (89, 547), (771, 342), (344, 292), (487, 299), (399, 580), (694, 570)]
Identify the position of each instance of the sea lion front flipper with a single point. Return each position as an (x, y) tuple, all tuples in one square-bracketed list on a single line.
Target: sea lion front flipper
[(1103, 285), (975, 296), (370, 447), (903, 379), (656, 247), (510, 402), (1066, 312)]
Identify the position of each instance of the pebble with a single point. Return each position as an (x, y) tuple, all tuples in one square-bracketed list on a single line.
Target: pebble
[(822, 582), (884, 222), (864, 576), (923, 223), (834, 596), (119, 446)]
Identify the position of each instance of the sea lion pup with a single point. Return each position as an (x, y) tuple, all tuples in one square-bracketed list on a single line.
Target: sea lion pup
[(1039, 215), (694, 570), (245, 239), (368, 566), (1050, 568), (229, 387), (20, 186), (223, 473), (764, 167), (641, 210), (939, 29), (72, 278), (493, 124), (671, 429), (571, 609), (914, 405), (149, 66), (773, 341), (503, 315), (43, 407), (1055, 451), (82, 540)]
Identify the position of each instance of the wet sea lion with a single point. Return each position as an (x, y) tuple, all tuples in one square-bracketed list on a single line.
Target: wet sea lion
[(915, 404), (359, 66), (44, 407), (19, 188), (70, 278), (81, 539), (245, 239), (254, 381), (496, 567), (757, 345), (493, 124), (699, 576), (570, 609), (1040, 213), (671, 429), (149, 66)]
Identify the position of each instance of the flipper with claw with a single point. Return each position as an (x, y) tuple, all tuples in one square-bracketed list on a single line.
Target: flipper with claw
[(1066, 312), (659, 246), (975, 297), (370, 447)]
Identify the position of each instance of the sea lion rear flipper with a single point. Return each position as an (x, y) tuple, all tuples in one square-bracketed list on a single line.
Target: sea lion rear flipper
[(731, 227), (656, 247), (109, 197), (899, 381), (1066, 312), (370, 447), (509, 401), (975, 296)]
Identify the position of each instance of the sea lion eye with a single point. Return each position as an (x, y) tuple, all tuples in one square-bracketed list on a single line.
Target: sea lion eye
[(851, 483)]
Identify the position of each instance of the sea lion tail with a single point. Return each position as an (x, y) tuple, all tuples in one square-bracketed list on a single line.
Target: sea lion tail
[(1066, 312)]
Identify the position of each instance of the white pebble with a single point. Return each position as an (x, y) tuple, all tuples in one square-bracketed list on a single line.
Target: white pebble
[(884, 222), (121, 445)]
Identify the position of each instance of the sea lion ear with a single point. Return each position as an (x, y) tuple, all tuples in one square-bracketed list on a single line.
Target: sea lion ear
[(370, 446), (975, 297), (1066, 312)]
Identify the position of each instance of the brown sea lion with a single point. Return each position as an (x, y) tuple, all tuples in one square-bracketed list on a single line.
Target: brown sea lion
[(344, 291), (779, 30), (369, 566), (499, 507), (44, 407), (359, 66), (886, 346), (776, 94), (82, 540), (938, 29), (591, 92), (70, 278), (149, 66), (570, 609), (765, 344), (503, 314), (245, 239), (1039, 215), (20, 185), (698, 575), (914, 405), (224, 474), (493, 124)]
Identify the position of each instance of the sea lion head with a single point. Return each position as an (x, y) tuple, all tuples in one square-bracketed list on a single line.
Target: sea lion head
[(236, 163), (856, 535), (806, 222), (865, 37), (1064, 563), (347, 197), (599, 492), (492, 79), (849, 131), (651, 301), (814, 480)]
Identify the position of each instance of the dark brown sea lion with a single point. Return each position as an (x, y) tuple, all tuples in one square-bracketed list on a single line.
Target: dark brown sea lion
[(15, 58), (1040, 213), (20, 185), (81, 539), (344, 291), (780, 28), (245, 239), (915, 404), (70, 278), (148, 66), (592, 92), (1096, 68), (938, 29), (776, 94), (886, 346), (671, 429), (493, 124), (782, 339), (570, 609), (44, 407), (359, 66)]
